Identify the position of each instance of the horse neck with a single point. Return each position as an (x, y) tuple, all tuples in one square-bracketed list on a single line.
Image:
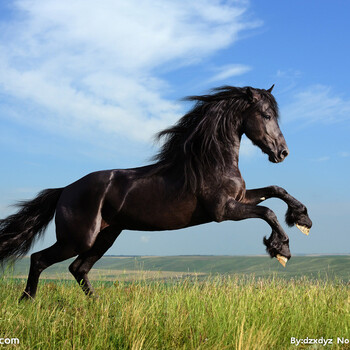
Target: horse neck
[(234, 154)]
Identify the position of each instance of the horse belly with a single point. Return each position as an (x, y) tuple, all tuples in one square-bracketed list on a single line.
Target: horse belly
[(157, 212)]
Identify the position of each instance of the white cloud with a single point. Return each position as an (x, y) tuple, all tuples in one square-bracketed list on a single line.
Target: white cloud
[(322, 159), (317, 104), (93, 66), (344, 154), (229, 71), (287, 80)]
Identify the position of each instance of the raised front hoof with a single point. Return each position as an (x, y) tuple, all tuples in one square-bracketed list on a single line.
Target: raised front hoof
[(300, 218), (25, 296), (282, 259), (278, 249), (304, 229)]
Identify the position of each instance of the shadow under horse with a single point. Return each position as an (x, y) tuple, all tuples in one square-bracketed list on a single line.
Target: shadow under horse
[(194, 180)]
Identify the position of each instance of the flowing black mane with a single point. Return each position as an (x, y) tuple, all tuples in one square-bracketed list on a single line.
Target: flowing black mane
[(201, 141)]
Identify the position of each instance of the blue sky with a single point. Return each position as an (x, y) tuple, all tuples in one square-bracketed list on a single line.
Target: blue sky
[(84, 87)]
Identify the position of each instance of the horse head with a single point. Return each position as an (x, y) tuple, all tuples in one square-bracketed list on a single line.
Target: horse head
[(261, 124)]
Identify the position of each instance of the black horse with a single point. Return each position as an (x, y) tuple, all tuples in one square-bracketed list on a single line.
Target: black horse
[(194, 180)]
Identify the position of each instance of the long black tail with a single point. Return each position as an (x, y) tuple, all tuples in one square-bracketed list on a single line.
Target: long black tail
[(19, 231)]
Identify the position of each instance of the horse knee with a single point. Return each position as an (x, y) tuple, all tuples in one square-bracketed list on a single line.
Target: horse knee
[(277, 190), (270, 215)]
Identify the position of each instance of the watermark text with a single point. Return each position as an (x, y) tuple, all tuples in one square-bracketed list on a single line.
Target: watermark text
[(9, 341), (322, 340)]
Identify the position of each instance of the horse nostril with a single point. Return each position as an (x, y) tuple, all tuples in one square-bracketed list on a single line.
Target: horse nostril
[(284, 153)]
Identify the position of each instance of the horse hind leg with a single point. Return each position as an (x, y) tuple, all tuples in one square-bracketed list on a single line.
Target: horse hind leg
[(42, 260), (81, 266)]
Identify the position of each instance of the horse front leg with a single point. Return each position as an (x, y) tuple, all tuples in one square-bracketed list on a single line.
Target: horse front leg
[(277, 245), (296, 213)]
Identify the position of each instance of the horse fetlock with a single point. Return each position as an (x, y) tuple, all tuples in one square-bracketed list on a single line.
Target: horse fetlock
[(26, 296), (299, 217), (277, 248)]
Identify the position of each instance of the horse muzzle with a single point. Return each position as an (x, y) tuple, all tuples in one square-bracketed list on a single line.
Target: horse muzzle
[(279, 156)]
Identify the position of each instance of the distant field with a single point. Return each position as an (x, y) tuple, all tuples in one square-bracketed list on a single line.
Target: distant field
[(112, 268)]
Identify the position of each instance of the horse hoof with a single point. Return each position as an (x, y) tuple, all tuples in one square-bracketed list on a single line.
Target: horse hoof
[(305, 230), (282, 260), (25, 296)]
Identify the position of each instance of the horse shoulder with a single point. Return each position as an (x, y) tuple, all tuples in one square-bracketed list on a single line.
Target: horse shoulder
[(215, 196)]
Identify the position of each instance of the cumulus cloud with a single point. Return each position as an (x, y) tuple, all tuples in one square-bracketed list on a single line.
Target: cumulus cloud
[(93, 66)]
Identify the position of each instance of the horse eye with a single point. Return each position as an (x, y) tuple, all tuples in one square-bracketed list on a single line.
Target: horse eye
[(266, 116)]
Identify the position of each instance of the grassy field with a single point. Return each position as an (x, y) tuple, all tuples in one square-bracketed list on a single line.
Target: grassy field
[(195, 309)]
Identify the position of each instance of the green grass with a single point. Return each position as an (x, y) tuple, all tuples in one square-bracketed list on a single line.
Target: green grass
[(217, 313), (184, 302)]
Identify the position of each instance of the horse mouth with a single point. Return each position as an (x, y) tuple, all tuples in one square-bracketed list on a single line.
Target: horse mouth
[(274, 159)]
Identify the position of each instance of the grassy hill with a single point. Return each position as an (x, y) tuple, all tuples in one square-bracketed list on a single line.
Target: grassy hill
[(116, 267)]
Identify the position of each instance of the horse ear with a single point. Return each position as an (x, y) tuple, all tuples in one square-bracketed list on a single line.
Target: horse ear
[(252, 95), (269, 90), (249, 93)]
